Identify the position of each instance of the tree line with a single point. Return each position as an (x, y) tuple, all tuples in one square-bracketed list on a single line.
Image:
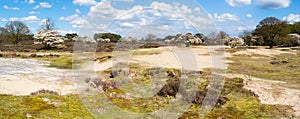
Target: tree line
[(272, 32), (269, 32)]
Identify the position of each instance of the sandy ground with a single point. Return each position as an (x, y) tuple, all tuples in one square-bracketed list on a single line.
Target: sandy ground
[(271, 92), (21, 82), (23, 76)]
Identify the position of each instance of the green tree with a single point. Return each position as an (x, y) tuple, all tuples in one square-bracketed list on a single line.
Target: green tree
[(272, 30), (295, 28), (70, 36), (17, 30), (113, 37), (247, 36)]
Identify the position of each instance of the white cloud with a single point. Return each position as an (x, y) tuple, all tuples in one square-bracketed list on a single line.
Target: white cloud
[(36, 7), (235, 3), (225, 17), (29, 19), (77, 11), (273, 4), (84, 2), (127, 24), (10, 8), (104, 10), (69, 18), (30, 1), (45, 5), (124, 0), (33, 12), (42, 5), (3, 20), (14, 19), (249, 15), (63, 8), (173, 17), (292, 18), (242, 28)]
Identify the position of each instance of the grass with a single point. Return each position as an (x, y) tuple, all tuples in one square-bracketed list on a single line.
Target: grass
[(240, 104), (153, 51), (35, 106), (283, 67)]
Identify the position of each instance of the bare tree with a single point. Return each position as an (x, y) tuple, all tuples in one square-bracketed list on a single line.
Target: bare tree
[(47, 24), (17, 29), (150, 37)]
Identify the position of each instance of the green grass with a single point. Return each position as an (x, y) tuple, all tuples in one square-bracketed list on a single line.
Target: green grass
[(285, 67), (241, 104), (59, 107), (153, 51)]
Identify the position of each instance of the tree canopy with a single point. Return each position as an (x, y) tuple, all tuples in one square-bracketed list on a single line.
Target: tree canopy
[(17, 29), (272, 30), (113, 37)]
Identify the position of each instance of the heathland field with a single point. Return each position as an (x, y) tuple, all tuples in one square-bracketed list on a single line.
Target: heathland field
[(255, 83)]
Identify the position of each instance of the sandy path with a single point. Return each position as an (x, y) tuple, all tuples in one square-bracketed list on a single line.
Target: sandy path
[(271, 92), (192, 59), (23, 76)]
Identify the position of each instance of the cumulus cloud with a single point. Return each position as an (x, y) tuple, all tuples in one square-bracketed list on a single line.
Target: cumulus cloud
[(30, 1), (226, 17), (292, 18), (10, 8), (235, 3), (162, 18), (249, 15), (3, 20), (75, 20), (29, 19), (124, 0), (84, 2), (77, 11), (33, 12), (42, 5), (69, 18), (45, 5), (273, 4)]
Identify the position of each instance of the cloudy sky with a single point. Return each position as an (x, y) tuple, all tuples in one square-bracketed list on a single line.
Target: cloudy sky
[(162, 17)]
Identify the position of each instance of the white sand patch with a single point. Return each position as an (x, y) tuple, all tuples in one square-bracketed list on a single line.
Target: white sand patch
[(23, 76), (271, 92)]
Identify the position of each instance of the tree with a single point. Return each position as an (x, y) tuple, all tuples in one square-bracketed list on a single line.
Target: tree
[(295, 28), (70, 36), (17, 29), (113, 37), (3, 34), (247, 36), (47, 24), (222, 35), (150, 37), (272, 30)]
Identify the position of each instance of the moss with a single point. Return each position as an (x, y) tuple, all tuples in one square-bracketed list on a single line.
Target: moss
[(20, 106)]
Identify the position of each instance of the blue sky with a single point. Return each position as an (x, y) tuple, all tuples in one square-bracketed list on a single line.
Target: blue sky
[(162, 17)]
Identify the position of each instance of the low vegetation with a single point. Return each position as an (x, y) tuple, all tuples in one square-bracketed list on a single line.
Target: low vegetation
[(282, 67)]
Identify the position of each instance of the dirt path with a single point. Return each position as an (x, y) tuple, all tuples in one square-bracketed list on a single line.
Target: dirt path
[(271, 92), (24, 76)]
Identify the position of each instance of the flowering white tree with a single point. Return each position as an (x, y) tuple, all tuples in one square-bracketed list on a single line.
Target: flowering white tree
[(48, 38), (234, 41)]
